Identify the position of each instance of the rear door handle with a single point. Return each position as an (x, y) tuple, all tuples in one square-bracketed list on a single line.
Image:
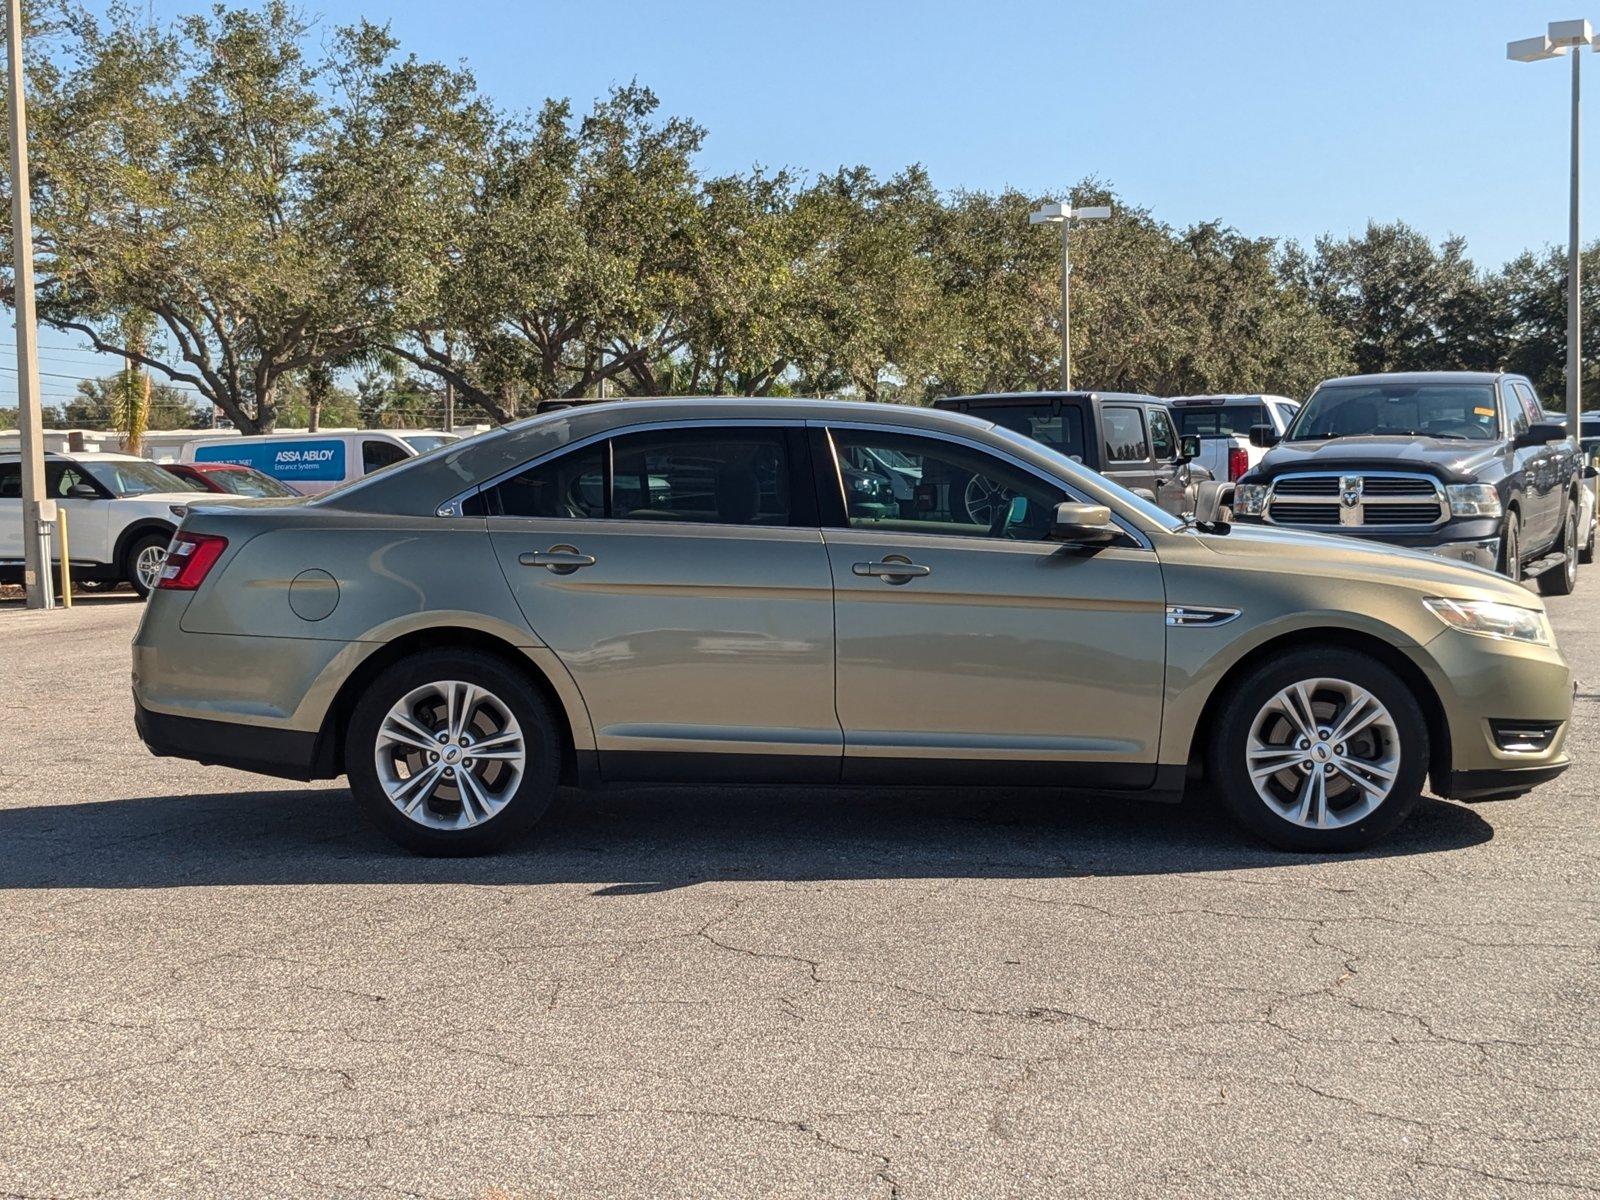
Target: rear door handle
[(892, 570), (559, 560)]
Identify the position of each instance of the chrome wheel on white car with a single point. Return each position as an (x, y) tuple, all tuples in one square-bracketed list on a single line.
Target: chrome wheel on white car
[(453, 751), (144, 560), (1323, 753)]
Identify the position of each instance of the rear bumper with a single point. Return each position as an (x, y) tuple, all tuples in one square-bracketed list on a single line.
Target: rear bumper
[(1501, 783), (285, 753)]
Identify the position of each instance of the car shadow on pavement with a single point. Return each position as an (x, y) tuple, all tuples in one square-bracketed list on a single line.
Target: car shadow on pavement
[(640, 840)]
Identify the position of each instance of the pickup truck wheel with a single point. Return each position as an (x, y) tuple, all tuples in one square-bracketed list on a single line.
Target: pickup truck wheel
[(452, 752), (1319, 750), (142, 564), (1511, 548), (1560, 581)]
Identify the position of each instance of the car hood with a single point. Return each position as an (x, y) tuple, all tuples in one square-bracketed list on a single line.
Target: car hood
[(1450, 460), (1260, 547)]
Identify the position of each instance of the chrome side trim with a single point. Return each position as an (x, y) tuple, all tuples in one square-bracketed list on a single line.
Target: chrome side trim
[(1192, 615)]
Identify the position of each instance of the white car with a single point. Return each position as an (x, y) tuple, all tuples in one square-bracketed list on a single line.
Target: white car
[(310, 463), (120, 516), (1223, 424)]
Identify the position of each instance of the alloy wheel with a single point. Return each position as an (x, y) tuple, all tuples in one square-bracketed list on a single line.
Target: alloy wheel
[(1569, 543), (982, 497), (450, 755), (1323, 753)]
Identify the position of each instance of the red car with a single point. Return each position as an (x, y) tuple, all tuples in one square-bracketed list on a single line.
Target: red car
[(229, 478)]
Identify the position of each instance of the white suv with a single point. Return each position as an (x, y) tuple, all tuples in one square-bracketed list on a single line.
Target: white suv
[(119, 516)]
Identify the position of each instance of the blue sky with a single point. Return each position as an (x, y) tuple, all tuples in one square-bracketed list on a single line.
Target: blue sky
[(1282, 119)]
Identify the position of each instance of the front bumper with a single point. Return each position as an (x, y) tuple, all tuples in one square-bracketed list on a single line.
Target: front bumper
[(1481, 683)]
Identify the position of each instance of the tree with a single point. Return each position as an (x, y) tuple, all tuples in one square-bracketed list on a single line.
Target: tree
[(194, 176), (1407, 304)]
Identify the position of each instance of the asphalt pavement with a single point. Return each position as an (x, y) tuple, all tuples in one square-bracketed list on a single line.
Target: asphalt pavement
[(216, 984)]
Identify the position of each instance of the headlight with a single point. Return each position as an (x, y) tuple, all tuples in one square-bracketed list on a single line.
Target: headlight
[(1473, 500), (1249, 499), (1488, 618)]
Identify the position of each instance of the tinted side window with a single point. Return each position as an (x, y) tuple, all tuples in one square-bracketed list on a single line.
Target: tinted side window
[(903, 483), (377, 455), (1530, 402), (10, 481), (1516, 411), (1163, 440), (61, 478), (721, 477), (1124, 434), (573, 485)]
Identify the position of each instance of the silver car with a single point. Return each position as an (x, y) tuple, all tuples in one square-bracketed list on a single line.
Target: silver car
[(793, 591)]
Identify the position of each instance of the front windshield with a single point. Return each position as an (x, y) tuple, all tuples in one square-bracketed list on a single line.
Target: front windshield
[(1454, 411), (1070, 469), (250, 483), (135, 477), (423, 442)]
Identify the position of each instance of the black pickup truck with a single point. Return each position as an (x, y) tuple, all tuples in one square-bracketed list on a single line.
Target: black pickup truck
[(1462, 464)]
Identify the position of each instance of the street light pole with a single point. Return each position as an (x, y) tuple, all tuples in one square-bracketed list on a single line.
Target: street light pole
[(1562, 37), (1064, 215), (35, 553)]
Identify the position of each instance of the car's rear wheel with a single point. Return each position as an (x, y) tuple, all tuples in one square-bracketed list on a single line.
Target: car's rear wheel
[(1319, 750), (1561, 580), (142, 564), (453, 752)]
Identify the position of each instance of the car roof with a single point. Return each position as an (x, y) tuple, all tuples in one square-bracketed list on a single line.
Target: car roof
[(1424, 377), (1230, 398), (79, 456)]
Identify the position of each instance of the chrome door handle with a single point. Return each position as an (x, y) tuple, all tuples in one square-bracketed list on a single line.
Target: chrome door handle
[(560, 560), (892, 570)]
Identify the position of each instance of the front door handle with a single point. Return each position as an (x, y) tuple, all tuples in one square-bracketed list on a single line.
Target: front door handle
[(893, 569), (559, 560)]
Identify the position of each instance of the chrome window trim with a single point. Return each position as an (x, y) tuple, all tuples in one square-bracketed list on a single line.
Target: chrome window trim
[(452, 506), (1121, 522), (1333, 502)]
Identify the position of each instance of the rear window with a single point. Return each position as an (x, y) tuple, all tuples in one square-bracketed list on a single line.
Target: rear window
[(1222, 420), (1058, 426)]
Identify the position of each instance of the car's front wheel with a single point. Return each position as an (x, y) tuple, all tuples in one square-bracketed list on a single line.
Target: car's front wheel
[(1511, 548), (1563, 579), (453, 752), (1319, 750)]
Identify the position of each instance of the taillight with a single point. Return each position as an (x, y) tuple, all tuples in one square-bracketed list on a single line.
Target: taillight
[(190, 558), (1238, 462)]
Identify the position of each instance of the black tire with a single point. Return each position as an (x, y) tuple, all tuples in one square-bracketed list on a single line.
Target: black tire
[(1511, 547), (1563, 580), (130, 559), (1248, 696), (97, 585), (508, 686)]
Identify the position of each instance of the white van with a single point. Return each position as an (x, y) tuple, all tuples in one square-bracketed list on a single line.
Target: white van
[(308, 462)]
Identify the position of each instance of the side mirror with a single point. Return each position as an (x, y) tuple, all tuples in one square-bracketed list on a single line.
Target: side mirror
[(1085, 524), (1541, 433), (1189, 447), (1264, 436), (82, 491), (1210, 499)]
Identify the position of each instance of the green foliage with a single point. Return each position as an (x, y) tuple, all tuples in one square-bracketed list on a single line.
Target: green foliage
[(322, 223)]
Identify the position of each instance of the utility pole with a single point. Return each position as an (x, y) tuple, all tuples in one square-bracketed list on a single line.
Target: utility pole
[(1567, 37), (36, 577), (1063, 215)]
